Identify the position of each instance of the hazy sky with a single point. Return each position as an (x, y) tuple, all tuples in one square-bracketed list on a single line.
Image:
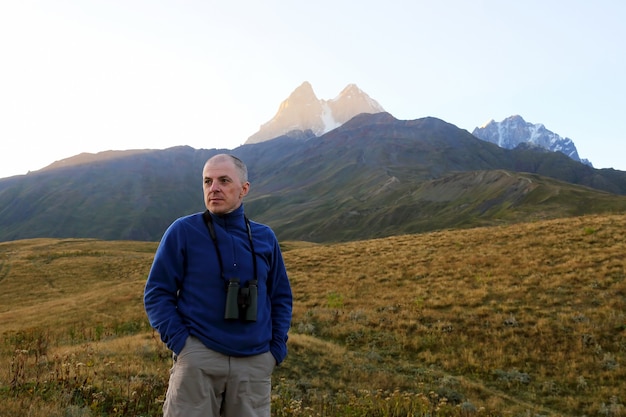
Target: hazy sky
[(93, 75)]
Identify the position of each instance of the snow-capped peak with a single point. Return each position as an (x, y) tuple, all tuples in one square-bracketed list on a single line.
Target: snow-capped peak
[(514, 130), (302, 110)]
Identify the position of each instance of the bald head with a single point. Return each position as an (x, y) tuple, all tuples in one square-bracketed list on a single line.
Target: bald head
[(242, 169)]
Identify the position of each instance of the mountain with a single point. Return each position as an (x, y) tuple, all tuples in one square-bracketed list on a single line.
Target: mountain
[(374, 176), (515, 131), (303, 111)]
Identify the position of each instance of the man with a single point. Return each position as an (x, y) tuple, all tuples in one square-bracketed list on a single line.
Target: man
[(224, 352)]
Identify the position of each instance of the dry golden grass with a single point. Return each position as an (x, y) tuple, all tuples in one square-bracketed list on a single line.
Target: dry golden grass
[(516, 320), (531, 315)]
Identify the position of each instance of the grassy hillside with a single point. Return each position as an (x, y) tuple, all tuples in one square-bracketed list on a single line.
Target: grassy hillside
[(528, 319)]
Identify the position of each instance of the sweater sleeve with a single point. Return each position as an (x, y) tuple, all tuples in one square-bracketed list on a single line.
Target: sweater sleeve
[(281, 300), (161, 290)]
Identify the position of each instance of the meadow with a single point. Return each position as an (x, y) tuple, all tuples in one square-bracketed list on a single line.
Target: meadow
[(517, 320)]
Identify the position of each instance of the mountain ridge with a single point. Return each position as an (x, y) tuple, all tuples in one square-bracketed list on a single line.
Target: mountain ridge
[(374, 176), (303, 111)]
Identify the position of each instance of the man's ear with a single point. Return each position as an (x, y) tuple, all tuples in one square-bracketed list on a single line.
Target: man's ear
[(244, 190)]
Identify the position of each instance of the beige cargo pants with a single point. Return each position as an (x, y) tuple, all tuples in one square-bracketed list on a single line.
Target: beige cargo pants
[(205, 383)]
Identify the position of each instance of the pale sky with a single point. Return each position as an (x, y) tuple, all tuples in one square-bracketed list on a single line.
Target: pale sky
[(94, 75)]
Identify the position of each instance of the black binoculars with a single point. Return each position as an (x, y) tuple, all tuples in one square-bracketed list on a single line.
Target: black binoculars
[(241, 302)]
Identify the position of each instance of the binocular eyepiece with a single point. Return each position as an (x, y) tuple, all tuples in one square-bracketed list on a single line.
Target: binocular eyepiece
[(241, 302)]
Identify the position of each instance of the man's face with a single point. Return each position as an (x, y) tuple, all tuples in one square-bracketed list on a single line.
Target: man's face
[(223, 189)]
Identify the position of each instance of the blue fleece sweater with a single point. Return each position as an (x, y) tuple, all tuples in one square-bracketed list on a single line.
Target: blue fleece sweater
[(185, 294)]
